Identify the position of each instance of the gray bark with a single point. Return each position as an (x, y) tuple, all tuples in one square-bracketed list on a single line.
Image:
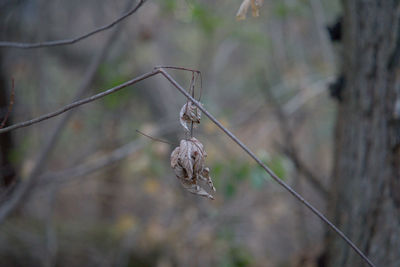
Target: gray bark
[(365, 190)]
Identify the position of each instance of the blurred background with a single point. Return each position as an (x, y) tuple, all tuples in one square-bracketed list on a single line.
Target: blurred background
[(105, 195)]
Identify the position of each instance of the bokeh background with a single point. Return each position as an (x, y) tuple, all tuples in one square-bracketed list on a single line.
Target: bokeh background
[(106, 195)]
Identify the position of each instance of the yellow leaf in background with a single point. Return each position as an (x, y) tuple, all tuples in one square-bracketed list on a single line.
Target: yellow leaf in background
[(151, 186), (124, 224), (255, 7)]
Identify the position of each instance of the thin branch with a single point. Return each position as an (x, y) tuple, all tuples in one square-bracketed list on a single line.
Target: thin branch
[(4, 210), (79, 103), (187, 69), (115, 156), (10, 106), (72, 40), (156, 139), (90, 167), (177, 68)]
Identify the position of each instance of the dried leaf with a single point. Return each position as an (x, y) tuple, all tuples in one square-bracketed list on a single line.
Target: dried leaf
[(187, 161), (241, 14), (205, 175), (195, 189), (255, 7), (189, 113)]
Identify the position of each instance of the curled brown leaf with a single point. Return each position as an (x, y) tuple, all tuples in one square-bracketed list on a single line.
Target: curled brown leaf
[(189, 114), (187, 161)]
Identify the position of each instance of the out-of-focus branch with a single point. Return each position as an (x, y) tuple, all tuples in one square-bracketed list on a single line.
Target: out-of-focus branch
[(88, 168), (23, 189), (10, 105), (6, 208), (51, 141), (72, 40), (304, 169), (290, 148), (115, 156)]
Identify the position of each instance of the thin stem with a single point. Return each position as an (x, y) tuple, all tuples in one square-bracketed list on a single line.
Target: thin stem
[(187, 69), (156, 139), (201, 85), (192, 85), (72, 40), (177, 68)]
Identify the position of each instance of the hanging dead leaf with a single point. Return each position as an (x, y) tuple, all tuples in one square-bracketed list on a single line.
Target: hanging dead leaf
[(187, 161), (189, 113)]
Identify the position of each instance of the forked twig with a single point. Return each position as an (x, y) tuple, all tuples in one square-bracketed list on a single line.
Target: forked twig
[(187, 69), (10, 106), (72, 40), (6, 208)]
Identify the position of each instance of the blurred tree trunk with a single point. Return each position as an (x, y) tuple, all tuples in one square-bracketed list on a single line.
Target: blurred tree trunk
[(365, 200), (7, 170)]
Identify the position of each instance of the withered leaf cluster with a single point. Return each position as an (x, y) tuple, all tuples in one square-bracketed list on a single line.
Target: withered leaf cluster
[(187, 160), (189, 114)]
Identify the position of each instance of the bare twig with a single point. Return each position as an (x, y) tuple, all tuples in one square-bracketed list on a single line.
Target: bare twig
[(5, 209), (10, 106), (156, 139), (72, 40), (115, 156), (191, 70), (79, 103), (90, 167)]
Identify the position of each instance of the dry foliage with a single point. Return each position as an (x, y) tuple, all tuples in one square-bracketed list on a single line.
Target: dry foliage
[(255, 7), (187, 160), (189, 114)]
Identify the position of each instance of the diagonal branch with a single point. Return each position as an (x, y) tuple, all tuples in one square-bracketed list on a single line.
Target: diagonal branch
[(72, 40), (7, 207), (290, 148), (78, 103)]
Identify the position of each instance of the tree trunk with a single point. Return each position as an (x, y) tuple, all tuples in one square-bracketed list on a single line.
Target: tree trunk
[(7, 170), (365, 200)]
